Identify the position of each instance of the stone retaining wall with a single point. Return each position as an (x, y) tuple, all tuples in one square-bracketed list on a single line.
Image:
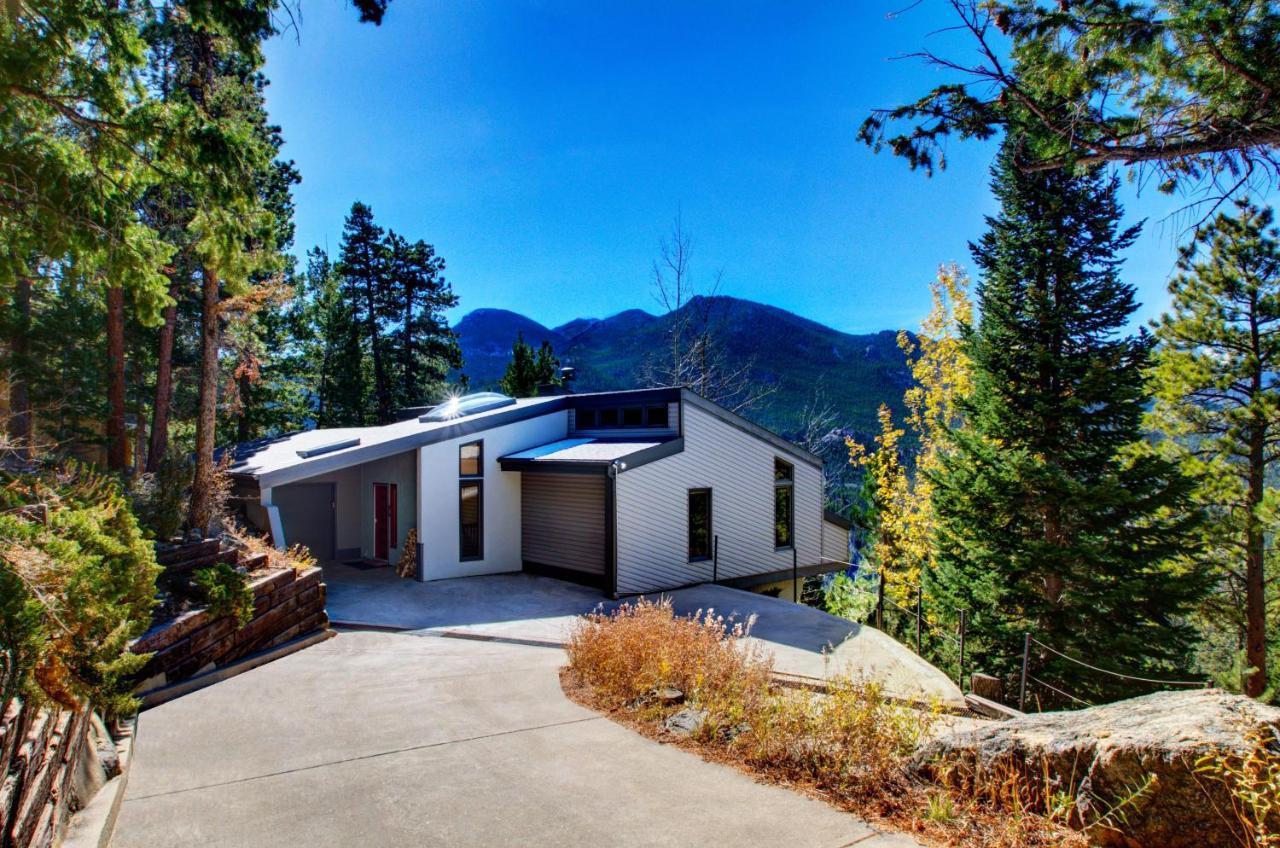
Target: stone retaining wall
[(287, 604), (41, 752)]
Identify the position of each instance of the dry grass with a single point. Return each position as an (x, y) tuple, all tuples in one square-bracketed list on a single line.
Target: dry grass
[(1253, 783), (631, 654), (850, 745), (298, 557)]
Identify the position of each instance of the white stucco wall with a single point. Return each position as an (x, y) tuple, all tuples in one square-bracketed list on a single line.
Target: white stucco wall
[(738, 468), (438, 498)]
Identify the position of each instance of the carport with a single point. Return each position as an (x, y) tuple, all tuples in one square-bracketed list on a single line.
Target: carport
[(567, 507)]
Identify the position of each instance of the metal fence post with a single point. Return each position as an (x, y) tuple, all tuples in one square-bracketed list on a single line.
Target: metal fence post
[(964, 614), (715, 558), (919, 617), (1026, 656), (880, 603)]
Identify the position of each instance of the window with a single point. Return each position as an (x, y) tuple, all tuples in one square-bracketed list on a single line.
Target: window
[(470, 459), (470, 515), (784, 485), (471, 500), (655, 416), (699, 524)]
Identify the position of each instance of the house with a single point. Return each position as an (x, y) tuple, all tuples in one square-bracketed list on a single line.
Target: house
[(632, 491)]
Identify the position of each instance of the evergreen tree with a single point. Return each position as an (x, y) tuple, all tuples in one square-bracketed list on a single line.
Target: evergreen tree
[(1218, 402), (329, 338), (363, 268), (417, 294), (529, 369), (1048, 520)]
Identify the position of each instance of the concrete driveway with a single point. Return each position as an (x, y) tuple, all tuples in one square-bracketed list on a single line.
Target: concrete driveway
[(389, 739), (804, 641)]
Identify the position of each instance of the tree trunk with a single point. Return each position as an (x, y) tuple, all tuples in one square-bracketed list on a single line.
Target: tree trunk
[(200, 514), (164, 385), (20, 423), (1254, 578), (117, 441), (245, 386), (380, 388), (408, 377)]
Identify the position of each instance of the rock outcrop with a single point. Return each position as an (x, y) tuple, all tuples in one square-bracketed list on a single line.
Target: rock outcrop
[(1103, 754)]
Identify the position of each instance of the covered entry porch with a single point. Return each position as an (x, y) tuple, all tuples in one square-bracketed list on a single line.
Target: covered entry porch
[(362, 513)]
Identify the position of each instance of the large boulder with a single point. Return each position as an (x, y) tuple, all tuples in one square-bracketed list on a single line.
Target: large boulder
[(1102, 754)]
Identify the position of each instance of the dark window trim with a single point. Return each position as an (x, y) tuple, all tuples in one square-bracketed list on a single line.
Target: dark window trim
[(479, 485), (479, 460), (689, 523), (785, 483)]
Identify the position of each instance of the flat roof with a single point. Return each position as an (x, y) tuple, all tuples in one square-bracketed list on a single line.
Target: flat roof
[(584, 450)]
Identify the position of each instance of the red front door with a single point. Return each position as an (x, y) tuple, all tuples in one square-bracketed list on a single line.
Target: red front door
[(384, 519)]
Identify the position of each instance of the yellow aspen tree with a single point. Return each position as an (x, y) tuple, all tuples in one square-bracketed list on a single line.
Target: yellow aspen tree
[(901, 495)]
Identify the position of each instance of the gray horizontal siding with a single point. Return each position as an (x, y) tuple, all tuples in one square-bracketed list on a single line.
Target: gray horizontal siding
[(563, 521), (835, 542), (738, 467)]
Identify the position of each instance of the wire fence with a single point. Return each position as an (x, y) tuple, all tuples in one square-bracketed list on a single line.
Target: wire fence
[(923, 625)]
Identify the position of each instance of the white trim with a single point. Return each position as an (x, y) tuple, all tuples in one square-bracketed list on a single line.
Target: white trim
[(273, 517)]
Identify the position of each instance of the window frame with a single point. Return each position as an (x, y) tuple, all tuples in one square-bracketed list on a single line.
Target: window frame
[(703, 490), (789, 483), (478, 484)]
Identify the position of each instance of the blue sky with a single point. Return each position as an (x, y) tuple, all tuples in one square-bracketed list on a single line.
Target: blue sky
[(545, 147)]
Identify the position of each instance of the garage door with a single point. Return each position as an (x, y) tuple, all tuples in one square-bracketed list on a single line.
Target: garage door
[(563, 522), (306, 513)]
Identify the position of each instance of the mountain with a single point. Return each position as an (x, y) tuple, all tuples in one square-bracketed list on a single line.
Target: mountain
[(795, 357), (486, 336)]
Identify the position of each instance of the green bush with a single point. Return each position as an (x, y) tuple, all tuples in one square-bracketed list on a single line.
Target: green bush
[(225, 591), (160, 499), (77, 585)]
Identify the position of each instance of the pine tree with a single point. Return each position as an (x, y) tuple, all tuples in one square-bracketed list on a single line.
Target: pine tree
[(1218, 404), (417, 294), (529, 369), (1049, 520), (363, 268), (328, 337)]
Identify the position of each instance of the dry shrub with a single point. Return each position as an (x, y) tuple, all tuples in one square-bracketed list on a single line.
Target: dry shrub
[(1253, 781), (629, 654), (852, 741), (298, 557)]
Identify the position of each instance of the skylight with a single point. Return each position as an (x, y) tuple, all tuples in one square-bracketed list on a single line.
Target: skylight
[(306, 453), (460, 407)]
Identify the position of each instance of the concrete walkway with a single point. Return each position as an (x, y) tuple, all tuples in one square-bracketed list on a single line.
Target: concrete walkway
[(804, 641), (390, 739)]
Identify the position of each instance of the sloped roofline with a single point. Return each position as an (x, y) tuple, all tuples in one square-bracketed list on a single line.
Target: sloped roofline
[(372, 448)]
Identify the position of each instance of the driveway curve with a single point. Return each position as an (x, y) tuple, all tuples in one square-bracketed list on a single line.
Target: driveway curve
[(400, 739)]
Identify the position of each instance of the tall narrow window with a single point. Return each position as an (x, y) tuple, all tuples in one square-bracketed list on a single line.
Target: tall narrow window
[(470, 515), (699, 524), (784, 485), (471, 501)]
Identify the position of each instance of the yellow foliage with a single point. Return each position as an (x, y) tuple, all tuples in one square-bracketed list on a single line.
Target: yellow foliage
[(942, 376)]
